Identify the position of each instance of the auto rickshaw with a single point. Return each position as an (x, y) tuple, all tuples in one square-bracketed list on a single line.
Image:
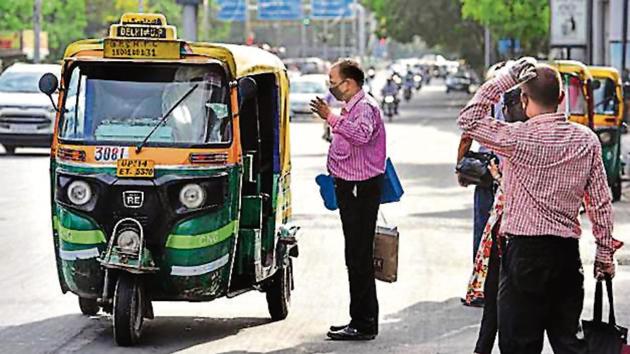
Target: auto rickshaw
[(170, 173), (578, 84), (608, 123)]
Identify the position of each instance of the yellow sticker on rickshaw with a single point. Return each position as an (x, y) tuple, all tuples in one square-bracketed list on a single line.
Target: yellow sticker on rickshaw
[(130, 168), (141, 49)]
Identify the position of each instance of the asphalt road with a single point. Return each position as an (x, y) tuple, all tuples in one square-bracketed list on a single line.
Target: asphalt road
[(420, 313)]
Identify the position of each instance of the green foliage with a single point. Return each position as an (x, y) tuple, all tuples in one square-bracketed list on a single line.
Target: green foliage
[(438, 22), (526, 20), (65, 22), (15, 15)]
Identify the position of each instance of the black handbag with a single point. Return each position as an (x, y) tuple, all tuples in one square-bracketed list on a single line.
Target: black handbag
[(604, 338), (474, 169)]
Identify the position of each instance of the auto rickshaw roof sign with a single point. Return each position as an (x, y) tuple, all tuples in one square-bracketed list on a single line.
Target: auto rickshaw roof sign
[(142, 36), (147, 26)]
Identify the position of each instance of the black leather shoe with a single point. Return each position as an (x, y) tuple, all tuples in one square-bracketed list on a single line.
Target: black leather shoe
[(349, 333), (337, 328)]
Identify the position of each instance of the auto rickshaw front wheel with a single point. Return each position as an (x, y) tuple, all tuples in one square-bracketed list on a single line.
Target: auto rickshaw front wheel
[(128, 314), (88, 307), (279, 292)]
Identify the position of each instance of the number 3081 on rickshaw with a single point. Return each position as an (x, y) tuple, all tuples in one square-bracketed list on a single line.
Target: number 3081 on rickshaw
[(170, 173)]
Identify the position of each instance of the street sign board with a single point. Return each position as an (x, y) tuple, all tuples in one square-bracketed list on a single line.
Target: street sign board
[(232, 10), (274, 10), (569, 22), (332, 9)]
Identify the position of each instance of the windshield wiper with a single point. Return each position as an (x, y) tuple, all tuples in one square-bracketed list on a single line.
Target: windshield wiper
[(163, 120)]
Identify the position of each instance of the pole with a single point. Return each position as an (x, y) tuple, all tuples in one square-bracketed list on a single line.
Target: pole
[(355, 27), (624, 39), (362, 32), (589, 32), (204, 23), (487, 45), (140, 6), (189, 20), (325, 39), (248, 25), (342, 33), (303, 40), (37, 29)]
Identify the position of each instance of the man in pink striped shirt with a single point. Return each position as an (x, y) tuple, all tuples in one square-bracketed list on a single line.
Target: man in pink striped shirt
[(356, 160), (550, 167)]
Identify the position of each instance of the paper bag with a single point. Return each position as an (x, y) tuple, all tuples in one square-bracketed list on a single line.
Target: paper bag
[(386, 254)]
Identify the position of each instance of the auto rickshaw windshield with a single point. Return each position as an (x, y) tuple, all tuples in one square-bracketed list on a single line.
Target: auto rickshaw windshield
[(122, 102), (606, 97)]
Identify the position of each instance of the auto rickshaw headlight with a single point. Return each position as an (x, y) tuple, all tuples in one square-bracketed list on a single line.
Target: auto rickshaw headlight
[(129, 241), (605, 137), (79, 192), (192, 196)]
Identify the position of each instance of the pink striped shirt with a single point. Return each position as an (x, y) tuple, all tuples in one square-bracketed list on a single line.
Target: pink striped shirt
[(357, 151)]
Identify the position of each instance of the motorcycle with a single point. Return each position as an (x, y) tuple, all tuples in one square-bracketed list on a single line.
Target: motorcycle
[(408, 89), (417, 80), (389, 107)]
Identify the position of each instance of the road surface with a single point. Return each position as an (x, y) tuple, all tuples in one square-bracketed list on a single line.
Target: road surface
[(421, 313)]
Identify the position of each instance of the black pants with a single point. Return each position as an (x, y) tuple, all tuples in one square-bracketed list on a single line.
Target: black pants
[(358, 206), (541, 289), (489, 320)]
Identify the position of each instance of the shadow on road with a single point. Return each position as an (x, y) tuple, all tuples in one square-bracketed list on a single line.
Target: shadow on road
[(94, 334), (25, 155), (424, 327)]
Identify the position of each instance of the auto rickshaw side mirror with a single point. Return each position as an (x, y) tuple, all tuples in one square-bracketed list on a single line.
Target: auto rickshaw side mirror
[(596, 84), (247, 89), (48, 84)]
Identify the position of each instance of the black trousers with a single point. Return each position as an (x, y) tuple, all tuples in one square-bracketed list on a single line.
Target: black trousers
[(541, 289), (358, 206), (489, 320)]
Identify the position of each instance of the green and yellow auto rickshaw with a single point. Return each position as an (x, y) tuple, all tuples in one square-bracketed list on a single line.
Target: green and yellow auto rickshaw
[(170, 173), (608, 123)]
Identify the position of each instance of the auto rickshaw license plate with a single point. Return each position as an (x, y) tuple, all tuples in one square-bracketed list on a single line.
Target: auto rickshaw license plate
[(135, 168), (141, 49)]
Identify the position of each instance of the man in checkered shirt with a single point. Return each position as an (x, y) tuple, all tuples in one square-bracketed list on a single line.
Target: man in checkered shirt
[(550, 167)]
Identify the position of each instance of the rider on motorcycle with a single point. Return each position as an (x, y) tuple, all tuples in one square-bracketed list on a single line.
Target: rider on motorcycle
[(391, 89)]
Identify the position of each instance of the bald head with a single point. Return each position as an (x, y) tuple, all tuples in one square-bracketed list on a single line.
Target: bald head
[(545, 89)]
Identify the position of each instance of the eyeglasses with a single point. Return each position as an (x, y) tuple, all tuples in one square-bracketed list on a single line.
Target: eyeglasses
[(333, 85)]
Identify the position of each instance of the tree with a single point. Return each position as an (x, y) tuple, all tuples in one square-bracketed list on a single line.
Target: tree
[(65, 22), (438, 22), (525, 20), (16, 15)]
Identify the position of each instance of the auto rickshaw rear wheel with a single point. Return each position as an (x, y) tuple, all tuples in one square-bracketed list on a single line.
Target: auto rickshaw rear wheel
[(89, 307), (128, 309), (279, 292), (616, 190)]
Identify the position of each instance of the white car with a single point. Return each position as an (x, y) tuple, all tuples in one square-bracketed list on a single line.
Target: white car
[(27, 115), (304, 89)]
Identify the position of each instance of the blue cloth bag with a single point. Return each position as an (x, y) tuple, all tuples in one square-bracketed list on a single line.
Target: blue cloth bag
[(392, 188)]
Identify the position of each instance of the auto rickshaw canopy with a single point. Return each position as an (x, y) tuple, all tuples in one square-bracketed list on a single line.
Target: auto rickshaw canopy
[(610, 74)]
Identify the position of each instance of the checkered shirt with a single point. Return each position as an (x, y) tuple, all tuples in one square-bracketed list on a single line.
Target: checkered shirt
[(550, 167)]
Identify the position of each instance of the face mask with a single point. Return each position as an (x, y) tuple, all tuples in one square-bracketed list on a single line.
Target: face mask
[(336, 92)]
